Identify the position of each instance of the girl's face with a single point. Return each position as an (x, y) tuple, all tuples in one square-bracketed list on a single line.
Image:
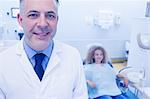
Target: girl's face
[(98, 56)]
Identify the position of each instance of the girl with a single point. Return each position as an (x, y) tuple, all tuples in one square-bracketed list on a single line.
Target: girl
[(101, 78)]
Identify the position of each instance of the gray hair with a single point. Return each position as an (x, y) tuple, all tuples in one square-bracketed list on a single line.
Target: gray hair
[(56, 1)]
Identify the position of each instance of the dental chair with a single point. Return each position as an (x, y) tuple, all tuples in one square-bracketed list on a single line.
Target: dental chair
[(135, 76), (121, 85)]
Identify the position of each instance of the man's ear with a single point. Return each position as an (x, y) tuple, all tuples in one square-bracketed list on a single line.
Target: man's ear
[(19, 19)]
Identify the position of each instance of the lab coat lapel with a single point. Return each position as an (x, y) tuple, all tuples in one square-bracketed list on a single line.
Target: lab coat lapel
[(53, 63), (27, 68), (54, 60)]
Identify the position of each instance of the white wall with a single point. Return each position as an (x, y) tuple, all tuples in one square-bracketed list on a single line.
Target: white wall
[(10, 24), (73, 13), (73, 29)]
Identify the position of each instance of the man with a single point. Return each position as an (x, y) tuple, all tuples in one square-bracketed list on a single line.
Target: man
[(40, 67)]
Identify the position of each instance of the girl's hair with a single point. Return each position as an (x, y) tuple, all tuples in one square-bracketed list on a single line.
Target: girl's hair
[(90, 54)]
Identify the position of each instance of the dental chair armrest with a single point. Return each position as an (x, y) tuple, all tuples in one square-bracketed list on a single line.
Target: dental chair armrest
[(124, 80)]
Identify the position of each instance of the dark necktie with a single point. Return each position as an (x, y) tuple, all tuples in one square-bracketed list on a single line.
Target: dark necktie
[(38, 65)]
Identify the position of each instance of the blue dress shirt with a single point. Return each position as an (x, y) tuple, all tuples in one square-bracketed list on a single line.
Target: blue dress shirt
[(30, 53)]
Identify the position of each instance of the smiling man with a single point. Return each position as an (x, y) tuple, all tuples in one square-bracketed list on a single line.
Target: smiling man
[(39, 20), (39, 67)]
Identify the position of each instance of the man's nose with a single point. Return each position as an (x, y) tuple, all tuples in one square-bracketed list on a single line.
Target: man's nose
[(43, 22)]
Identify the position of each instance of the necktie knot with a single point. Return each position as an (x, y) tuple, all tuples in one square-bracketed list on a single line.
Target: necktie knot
[(39, 58)]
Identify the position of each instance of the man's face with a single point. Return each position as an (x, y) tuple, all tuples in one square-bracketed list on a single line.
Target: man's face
[(39, 21)]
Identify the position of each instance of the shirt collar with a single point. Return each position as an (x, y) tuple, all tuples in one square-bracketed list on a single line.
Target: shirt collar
[(30, 52)]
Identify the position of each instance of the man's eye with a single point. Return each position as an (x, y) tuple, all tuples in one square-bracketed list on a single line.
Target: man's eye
[(33, 16), (51, 16)]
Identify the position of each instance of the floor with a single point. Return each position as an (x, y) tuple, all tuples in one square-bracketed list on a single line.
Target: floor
[(120, 65)]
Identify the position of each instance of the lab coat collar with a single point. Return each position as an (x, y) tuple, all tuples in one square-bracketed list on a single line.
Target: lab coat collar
[(27, 66)]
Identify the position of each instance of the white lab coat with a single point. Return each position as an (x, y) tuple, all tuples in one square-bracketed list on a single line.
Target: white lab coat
[(63, 78)]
